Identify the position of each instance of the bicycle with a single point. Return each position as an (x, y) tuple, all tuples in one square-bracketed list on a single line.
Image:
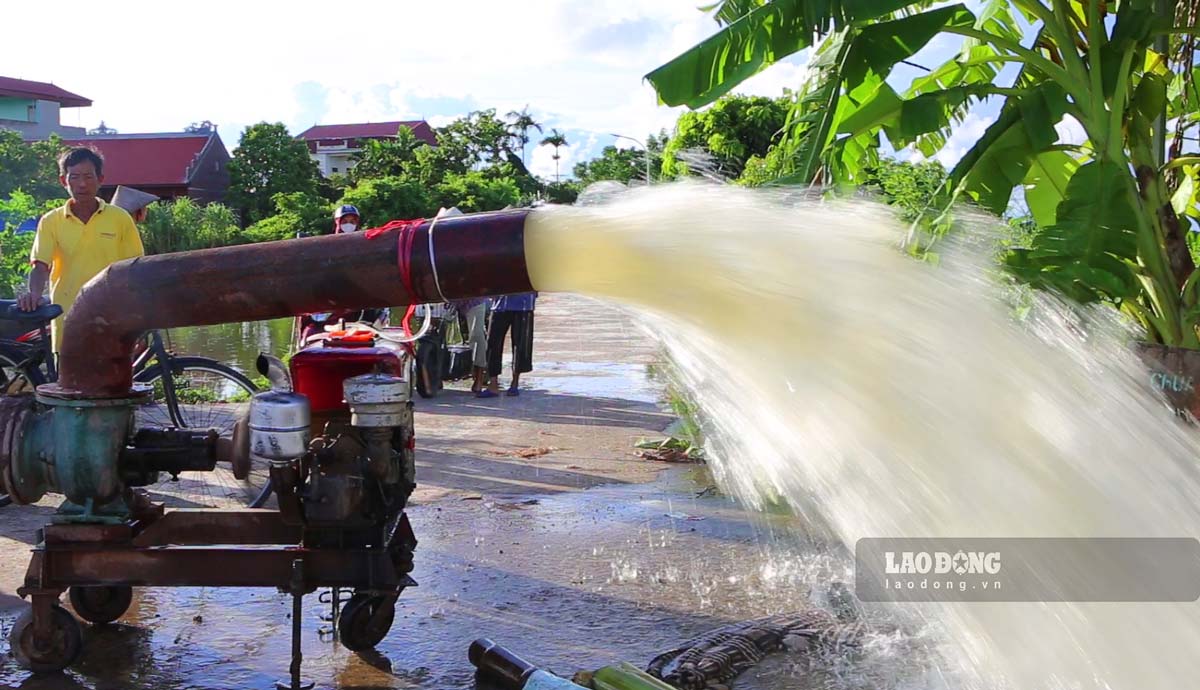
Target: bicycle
[(189, 392), (442, 353)]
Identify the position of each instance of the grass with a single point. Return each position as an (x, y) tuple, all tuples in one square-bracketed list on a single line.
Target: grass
[(686, 434), (192, 396)]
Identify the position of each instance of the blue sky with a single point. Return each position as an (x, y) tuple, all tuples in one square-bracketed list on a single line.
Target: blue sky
[(578, 64)]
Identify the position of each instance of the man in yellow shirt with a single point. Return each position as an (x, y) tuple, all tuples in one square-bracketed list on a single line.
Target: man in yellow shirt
[(80, 239)]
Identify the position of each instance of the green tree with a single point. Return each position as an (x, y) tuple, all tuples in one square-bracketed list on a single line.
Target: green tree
[(475, 191), (218, 227), (331, 188), (520, 122), (269, 161), (387, 157), (21, 206), (731, 131), (434, 163), (30, 166), (14, 260), (183, 225), (390, 198), (478, 142), (621, 165), (14, 248), (478, 139), (563, 192), (913, 188), (296, 213), (514, 170), (474, 166), (556, 139), (1109, 211)]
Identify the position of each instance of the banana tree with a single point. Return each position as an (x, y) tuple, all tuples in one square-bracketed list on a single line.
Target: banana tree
[(1109, 209)]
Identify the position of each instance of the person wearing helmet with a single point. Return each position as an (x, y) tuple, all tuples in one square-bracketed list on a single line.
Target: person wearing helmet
[(346, 219)]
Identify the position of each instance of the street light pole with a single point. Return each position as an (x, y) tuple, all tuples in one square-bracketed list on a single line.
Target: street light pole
[(645, 152)]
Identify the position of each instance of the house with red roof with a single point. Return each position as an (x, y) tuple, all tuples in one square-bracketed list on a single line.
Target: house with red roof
[(171, 165), (33, 108), (334, 146)]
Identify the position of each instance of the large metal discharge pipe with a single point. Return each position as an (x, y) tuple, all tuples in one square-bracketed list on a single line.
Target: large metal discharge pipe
[(70, 443), (450, 258)]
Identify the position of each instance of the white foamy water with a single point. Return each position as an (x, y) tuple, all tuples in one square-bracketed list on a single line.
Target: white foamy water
[(890, 398)]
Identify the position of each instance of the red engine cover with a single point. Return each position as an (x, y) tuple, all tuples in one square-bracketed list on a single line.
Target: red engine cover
[(318, 372)]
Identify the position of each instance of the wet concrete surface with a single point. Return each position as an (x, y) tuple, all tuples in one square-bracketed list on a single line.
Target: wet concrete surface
[(571, 581), (575, 557)]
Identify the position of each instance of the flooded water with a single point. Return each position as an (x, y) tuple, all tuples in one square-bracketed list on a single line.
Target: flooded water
[(236, 344), (883, 397)]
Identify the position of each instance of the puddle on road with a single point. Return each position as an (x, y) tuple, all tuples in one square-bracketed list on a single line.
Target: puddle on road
[(573, 581), (600, 380)]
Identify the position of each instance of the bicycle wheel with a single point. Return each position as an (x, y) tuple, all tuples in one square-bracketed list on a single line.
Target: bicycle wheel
[(210, 395), (17, 372)]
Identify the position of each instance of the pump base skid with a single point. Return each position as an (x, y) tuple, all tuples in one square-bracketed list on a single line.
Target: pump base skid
[(192, 548)]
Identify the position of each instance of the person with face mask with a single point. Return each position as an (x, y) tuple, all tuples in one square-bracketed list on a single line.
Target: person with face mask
[(346, 219)]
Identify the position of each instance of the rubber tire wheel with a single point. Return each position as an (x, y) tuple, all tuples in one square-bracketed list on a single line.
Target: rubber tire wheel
[(352, 628), (67, 644), (101, 604)]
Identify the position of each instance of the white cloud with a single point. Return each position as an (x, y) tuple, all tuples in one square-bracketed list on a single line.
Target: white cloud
[(345, 105), (789, 74), (440, 120), (578, 63), (541, 160), (1070, 131), (963, 137)]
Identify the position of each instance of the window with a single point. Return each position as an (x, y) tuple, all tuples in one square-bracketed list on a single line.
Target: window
[(335, 169), (31, 112)]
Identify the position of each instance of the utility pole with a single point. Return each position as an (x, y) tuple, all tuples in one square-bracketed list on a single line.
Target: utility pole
[(645, 153)]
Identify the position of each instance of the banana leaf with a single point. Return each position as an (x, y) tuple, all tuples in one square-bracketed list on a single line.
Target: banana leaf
[(755, 41), (1046, 184), (1090, 251), (1001, 159)]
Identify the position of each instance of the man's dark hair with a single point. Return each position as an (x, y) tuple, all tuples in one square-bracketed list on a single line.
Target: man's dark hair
[(78, 155)]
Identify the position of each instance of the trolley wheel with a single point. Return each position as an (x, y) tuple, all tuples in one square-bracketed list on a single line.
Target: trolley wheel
[(101, 604), (355, 629), (59, 651)]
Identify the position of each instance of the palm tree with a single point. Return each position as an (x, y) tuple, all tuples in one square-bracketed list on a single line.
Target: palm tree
[(521, 122), (556, 139)]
